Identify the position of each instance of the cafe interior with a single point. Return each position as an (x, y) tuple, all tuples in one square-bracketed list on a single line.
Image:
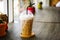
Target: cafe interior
[(29, 19)]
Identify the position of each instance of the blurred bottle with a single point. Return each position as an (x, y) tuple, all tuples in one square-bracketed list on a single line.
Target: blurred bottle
[(39, 5)]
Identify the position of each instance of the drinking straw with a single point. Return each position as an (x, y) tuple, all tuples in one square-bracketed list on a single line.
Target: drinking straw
[(27, 10)]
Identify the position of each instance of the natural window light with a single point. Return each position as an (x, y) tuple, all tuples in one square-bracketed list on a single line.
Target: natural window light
[(2, 6), (16, 11)]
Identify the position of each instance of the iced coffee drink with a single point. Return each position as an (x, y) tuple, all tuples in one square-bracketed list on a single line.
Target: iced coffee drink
[(27, 26), (26, 21)]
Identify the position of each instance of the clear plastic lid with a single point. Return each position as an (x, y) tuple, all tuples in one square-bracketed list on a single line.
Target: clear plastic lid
[(25, 16)]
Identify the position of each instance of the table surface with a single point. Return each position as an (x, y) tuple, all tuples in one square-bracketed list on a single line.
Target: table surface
[(46, 26)]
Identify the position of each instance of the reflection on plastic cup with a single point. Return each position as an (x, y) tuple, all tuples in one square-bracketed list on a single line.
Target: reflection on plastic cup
[(26, 21)]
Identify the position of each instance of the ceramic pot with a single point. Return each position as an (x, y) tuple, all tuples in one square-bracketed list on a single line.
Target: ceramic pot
[(3, 27)]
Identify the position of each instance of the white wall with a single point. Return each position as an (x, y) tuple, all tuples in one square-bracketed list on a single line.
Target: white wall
[(45, 3)]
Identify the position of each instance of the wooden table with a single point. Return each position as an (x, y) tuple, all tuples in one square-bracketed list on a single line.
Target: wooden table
[(46, 26)]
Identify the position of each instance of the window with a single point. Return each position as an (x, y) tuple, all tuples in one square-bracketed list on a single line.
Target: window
[(3, 6), (16, 8)]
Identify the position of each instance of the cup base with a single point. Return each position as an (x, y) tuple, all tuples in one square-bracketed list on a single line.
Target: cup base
[(27, 36)]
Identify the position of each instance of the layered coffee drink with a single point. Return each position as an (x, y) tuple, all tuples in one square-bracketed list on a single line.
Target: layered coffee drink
[(26, 22)]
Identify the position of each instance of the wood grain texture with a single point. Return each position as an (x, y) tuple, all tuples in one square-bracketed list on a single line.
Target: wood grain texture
[(44, 30)]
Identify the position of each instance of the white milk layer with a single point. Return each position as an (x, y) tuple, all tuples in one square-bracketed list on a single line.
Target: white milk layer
[(25, 16)]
